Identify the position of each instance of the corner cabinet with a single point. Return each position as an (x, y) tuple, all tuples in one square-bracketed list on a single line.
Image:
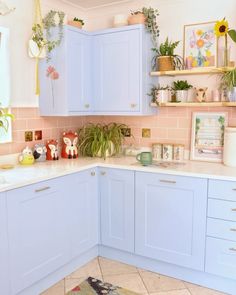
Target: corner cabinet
[(69, 93), (100, 73), (122, 63), (170, 220), (117, 208)]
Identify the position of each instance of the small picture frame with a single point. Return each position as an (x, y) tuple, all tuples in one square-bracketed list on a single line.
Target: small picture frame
[(200, 46), (207, 139)]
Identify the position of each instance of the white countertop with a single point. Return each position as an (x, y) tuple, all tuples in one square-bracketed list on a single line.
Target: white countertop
[(25, 175)]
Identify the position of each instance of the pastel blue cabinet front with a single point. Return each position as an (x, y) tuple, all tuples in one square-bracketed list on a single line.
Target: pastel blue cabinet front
[(170, 218), (117, 208), (70, 93), (82, 211), (121, 68), (37, 231), (4, 262)]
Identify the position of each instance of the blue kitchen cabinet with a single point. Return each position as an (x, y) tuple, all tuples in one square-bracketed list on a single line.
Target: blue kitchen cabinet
[(121, 71), (4, 262), (70, 94), (170, 218), (117, 208), (38, 238), (82, 207)]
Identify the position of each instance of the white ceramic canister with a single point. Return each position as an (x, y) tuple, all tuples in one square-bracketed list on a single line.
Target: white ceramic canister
[(229, 155), (178, 154), (167, 152), (157, 151)]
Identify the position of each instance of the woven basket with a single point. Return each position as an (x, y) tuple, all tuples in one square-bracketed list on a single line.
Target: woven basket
[(165, 63), (75, 24)]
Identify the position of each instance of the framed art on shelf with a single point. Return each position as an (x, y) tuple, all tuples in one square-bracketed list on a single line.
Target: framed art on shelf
[(200, 46), (207, 139)]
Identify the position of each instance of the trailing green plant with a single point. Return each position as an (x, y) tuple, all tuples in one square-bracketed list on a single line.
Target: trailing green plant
[(181, 85), (155, 89), (5, 115), (49, 22), (75, 19), (151, 26), (38, 36), (229, 79), (100, 140), (167, 49)]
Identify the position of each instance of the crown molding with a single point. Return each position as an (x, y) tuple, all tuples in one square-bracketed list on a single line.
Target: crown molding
[(94, 7)]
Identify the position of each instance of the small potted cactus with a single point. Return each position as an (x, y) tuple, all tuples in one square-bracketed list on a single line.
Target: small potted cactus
[(76, 22)]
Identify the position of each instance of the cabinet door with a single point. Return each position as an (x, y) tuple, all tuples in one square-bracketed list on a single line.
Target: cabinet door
[(37, 231), (82, 208), (4, 264), (117, 65), (171, 218), (117, 208), (78, 71)]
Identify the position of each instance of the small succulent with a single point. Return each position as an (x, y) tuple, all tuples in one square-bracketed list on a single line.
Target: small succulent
[(181, 85), (78, 20)]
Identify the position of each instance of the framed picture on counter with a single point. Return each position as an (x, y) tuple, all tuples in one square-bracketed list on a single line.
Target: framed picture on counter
[(200, 45), (207, 139)]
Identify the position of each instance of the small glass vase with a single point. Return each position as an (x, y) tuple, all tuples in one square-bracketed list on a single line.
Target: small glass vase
[(226, 57)]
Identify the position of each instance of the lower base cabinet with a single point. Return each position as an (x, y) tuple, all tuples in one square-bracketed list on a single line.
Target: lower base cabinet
[(170, 222), (117, 208), (4, 263)]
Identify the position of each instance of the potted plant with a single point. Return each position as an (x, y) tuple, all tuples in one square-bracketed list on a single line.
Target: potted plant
[(4, 119), (181, 88), (229, 81), (165, 59), (98, 140), (76, 22), (147, 16), (160, 94)]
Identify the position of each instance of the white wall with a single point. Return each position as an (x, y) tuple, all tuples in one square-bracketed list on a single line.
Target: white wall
[(22, 67)]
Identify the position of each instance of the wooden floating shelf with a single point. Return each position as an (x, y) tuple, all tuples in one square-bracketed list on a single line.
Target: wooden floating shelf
[(195, 104), (199, 71)]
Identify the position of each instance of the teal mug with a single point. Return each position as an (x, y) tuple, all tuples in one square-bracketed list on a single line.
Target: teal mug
[(145, 158)]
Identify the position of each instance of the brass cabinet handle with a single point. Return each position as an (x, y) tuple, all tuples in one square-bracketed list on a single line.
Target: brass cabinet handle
[(93, 173), (133, 105), (167, 181), (103, 173), (233, 209), (232, 249), (42, 189), (233, 229), (86, 106)]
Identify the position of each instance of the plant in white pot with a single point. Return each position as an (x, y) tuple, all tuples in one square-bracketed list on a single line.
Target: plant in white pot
[(181, 87), (160, 94), (98, 140), (229, 81)]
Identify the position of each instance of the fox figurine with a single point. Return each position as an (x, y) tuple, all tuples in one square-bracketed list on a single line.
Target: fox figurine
[(69, 145), (52, 150)]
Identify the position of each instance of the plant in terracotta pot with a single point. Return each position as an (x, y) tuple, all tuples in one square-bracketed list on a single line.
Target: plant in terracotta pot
[(181, 88), (165, 59), (98, 140), (147, 16), (76, 22)]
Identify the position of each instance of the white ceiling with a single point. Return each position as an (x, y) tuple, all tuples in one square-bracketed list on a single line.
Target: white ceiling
[(91, 4)]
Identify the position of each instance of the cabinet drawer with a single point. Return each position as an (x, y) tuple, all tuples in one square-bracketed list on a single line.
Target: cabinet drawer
[(221, 229), (222, 209), (219, 189), (221, 258)]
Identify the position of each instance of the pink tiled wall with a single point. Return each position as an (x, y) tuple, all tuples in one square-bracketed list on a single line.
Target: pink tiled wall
[(170, 125)]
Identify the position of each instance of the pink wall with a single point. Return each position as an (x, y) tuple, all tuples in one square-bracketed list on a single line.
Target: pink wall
[(170, 125)]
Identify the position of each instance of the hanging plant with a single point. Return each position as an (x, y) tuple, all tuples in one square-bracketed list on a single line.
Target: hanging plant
[(4, 118), (52, 20)]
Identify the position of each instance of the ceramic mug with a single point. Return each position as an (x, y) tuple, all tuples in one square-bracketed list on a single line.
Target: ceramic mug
[(145, 158)]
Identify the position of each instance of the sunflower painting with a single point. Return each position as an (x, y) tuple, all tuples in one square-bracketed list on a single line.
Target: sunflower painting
[(200, 45)]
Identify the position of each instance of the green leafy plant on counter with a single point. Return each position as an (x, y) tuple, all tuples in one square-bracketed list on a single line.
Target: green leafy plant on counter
[(181, 85), (98, 140), (75, 19)]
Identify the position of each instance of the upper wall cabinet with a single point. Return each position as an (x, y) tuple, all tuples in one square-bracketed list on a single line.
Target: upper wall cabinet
[(65, 79), (121, 67), (100, 73)]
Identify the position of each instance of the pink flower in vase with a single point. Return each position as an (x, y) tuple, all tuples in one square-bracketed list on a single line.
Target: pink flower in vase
[(50, 70)]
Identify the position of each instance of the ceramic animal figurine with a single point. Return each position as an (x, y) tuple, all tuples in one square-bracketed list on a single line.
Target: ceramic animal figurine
[(69, 145), (26, 157), (39, 153), (201, 94), (52, 150)]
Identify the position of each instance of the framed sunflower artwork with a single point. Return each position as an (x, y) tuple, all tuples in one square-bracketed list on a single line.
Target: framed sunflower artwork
[(200, 46)]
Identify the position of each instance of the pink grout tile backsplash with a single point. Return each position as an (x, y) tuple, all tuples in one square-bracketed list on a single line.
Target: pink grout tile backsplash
[(171, 125)]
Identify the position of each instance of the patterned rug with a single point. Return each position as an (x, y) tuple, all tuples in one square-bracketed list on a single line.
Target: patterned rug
[(93, 286)]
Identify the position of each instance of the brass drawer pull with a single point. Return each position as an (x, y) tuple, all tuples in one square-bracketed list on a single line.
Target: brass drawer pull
[(233, 189), (93, 173), (103, 173), (42, 189), (232, 249), (233, 209), (167, 181), (233, 229)]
